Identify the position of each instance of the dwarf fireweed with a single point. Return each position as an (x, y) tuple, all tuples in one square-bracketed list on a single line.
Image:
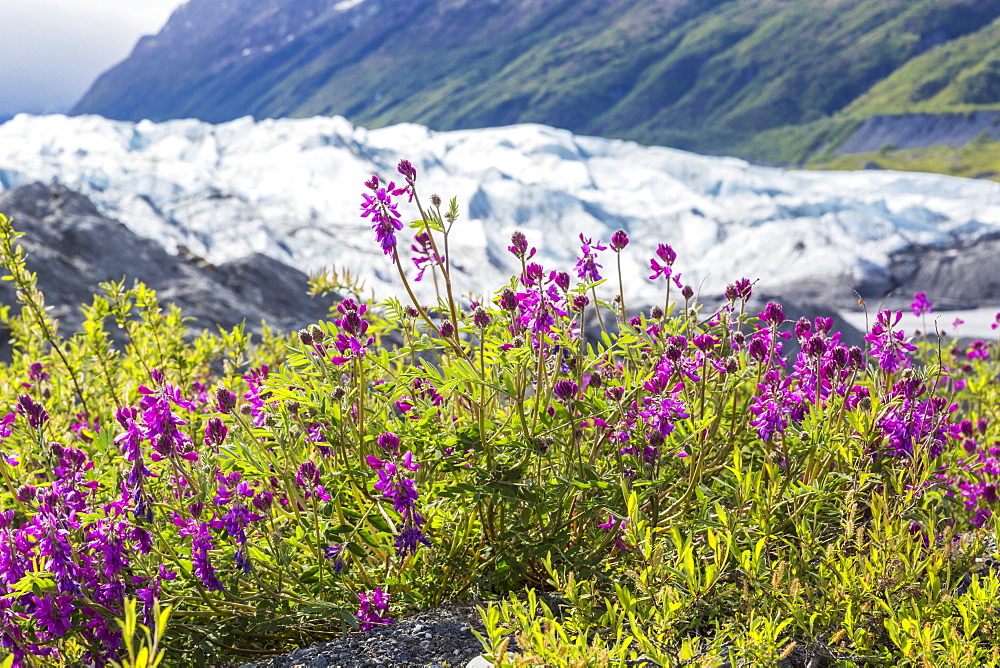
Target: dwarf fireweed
[(724, 481)]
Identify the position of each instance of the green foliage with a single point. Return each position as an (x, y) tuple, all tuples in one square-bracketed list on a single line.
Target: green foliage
[(148, 654), (955, 76)]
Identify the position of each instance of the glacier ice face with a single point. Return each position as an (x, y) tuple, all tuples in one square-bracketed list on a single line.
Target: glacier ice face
[(291, 189)]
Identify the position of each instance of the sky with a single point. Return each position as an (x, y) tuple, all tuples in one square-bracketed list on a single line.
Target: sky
[(52, 50)]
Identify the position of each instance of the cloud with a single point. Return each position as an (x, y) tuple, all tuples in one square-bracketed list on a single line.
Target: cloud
[(52, 50)]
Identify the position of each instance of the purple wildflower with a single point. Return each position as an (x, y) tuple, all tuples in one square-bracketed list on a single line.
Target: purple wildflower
[(349, 341), (619, 240), (409, 174), (372, 609), (508, 300), (225, 399), (921, 304), (336, 554), (740, 290), (666, 255), (384, 215), (773, 314), (32, 411), (201, 561), (388, 442), (519, 246), (402, 491), (889, 347), (215, 432), (587, 266), (308, 478), (425, 255), (480, 318), (565, 390), (978, 350)]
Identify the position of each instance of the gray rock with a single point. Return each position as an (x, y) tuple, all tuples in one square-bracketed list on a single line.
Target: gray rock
[(907, 131), (73, 248), (479, 662), (400, 643)]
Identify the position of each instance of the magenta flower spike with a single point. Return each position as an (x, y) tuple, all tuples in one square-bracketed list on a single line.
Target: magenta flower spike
[(920, 304)]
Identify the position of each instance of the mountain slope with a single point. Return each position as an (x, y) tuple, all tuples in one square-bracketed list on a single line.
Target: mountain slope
[(963, 74), (707, 75)]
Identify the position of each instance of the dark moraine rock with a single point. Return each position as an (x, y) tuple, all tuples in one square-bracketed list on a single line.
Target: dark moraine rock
[(73, 248)]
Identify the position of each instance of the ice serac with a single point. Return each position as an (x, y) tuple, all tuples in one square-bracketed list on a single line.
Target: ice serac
[(290, 189)]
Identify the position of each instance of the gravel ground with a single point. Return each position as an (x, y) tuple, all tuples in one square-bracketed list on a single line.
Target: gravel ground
[(440, 637)]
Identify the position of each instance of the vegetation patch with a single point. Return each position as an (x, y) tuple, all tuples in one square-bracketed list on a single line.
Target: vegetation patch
[(670, 488), (979, 159)]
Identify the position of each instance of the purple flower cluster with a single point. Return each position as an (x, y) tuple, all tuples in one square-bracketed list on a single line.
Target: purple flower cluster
[(256, 396), (384, 214), (394, 485), (586, 266), (373, 608), (889, 347), (619, 240), (921, 305), (741, 290), (424, 255), (84, 549), (912, 420), (231, 499), (519, 246), (423, 390), (977, 479), (309, 481), (667, 256), (160, 426), (201, 560), (775, 404), (351, 341), (32, 411), (544, 298)]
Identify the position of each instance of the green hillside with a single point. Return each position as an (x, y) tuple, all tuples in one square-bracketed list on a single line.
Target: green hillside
[(961, 75), (767, 79)]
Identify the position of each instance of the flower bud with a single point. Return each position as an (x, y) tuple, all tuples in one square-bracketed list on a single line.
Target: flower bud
[(388, 442), (481, 318), (508, 300), (225, 400), (619, 240), (407, 171)]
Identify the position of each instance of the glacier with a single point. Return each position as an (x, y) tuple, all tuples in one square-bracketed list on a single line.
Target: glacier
[(290, 189)]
